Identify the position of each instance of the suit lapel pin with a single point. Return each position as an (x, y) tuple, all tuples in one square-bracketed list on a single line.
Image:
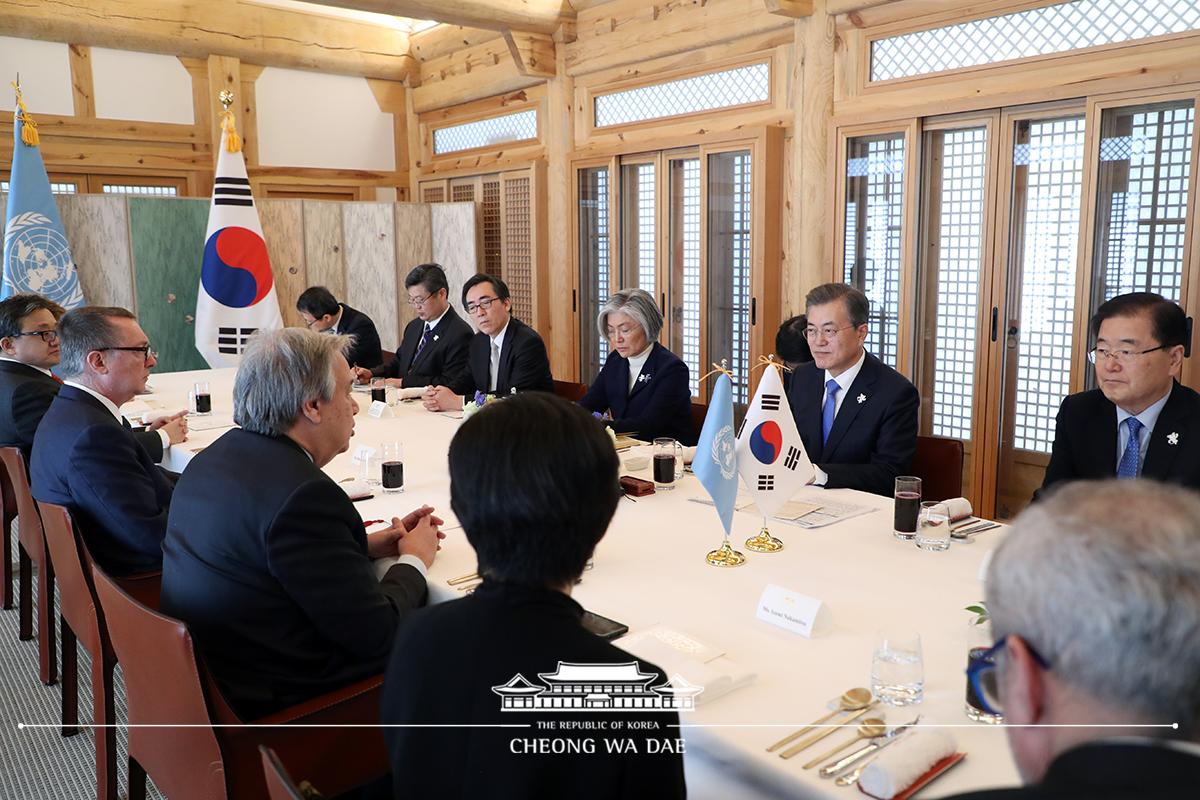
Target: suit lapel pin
[(862, 398), (643, 378), (1172, 438), (435, 337)]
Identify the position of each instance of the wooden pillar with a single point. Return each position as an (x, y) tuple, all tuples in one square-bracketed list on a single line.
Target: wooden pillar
[(223, 73), (560, 136)]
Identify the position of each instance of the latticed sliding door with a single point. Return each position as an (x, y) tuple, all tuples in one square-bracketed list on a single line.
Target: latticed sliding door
[(592, 202), (433, 191)]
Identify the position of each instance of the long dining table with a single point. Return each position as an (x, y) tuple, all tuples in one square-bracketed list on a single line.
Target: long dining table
[(650, 570)]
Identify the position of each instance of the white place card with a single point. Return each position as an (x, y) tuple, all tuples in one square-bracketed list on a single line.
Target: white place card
[(362, 453), (379, 410), (792, 611)]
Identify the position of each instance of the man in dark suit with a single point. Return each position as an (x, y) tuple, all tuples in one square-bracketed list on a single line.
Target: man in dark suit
[(856, 416), (643, 386), (321, 312), (1094, 599), (434, 348), (1140, 421), (266, 559), (29, 347), (85, 456), (505, 356), (533, 479)]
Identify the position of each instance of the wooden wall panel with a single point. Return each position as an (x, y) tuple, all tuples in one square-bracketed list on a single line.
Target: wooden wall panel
[(324, 257), (283, 231), (168, 244), (455, 245), (370, 235), (414, 245), (97, 226)]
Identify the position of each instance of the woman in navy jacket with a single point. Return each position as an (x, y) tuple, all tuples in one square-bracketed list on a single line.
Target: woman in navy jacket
[(643, 385)]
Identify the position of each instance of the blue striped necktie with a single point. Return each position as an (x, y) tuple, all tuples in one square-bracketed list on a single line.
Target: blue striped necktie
[(424, 340), (1128, 468)]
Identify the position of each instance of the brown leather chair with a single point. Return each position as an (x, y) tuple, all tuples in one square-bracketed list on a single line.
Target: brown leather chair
[(218, 759), (83, 622), (31, 550), (570, 391), (9, 499), (939, 464), (280, 785), (699, 412)]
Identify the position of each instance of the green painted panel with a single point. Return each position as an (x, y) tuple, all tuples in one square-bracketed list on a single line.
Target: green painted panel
[(168, 245)]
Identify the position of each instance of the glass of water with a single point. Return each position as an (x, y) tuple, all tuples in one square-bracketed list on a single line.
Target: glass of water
[(897, 670), (933, 527)]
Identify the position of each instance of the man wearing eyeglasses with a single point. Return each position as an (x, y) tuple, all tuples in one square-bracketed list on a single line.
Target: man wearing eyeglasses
[(29, 348), (856, 415), (1140, 421), (85, 455), (321, 312), (1094, 598), (505, 356), (434, 348)]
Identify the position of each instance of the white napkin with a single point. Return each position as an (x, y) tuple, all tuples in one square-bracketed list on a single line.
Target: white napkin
[(357, 489), (900, 765), (959, 508), (411, 392), (698, 663)]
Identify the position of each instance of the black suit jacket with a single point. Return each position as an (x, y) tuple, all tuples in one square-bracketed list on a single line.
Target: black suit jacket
[(523, 362), (87, 461), (25, 394), (660, 403), (443, 361), (872, 441), (366, 350), (1085, 440), (1110, 771), (266, 561), (446, 661)]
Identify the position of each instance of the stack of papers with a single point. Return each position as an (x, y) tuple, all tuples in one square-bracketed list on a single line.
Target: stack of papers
[(698, 663), (803, 513)]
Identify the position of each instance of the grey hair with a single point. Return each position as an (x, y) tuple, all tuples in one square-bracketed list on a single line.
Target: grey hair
[(281, 370), (1103, 580), (82, 330), (857, 305), (639, 305)]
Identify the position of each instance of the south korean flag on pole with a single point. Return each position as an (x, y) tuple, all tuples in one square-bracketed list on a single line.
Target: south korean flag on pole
[(770, 455)]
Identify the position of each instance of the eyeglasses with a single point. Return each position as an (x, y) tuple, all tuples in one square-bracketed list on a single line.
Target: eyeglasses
[(49, 337), (309, 323), (825, 331), (416, 302), (485, 303), (1097, 354), (146, 351), (981, 674)]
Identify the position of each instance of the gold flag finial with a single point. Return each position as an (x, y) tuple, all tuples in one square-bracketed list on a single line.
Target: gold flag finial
[(226, 98), (233, 142), (29, 131)]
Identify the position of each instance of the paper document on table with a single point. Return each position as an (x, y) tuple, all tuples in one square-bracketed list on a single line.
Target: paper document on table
[(804, 513), (697, 662), (829, 513), (209, 423)]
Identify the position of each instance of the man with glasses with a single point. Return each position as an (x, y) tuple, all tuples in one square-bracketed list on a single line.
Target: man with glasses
[(29, 347), (85, 454), (321, 312), (1094, 599), (434, 348), (1140, 421), (856, 416), (505, 356)]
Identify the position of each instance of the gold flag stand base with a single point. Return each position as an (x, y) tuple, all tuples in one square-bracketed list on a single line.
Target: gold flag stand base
[(764, 542), (725, 556)]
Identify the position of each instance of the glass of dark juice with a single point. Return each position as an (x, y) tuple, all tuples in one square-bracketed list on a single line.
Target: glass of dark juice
[(392, 467), (908, 506), (667, 463), (203, 398), (378, 390)]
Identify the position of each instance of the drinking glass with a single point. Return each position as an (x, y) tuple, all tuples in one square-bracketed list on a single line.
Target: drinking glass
[(897, 671), (908, 503), (378, 390), (370, 464), (668, 464), (392, 467), (203, 401), (933, 527)]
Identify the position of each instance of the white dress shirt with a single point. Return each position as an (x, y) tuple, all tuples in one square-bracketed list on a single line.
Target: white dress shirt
[(844, 382), (497, 349), (333, 329), (1148, 418), (636, 363), (116, 412)]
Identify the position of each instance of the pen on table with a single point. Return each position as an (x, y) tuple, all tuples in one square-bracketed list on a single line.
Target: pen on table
[(369, 522)]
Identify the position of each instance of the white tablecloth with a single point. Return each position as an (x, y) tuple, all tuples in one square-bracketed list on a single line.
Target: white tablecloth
[(650, 569)]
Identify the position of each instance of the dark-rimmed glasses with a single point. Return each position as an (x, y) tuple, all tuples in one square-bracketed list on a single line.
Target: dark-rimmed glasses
[(145, 349), (49, 337), (1121, 356), (484, 302)]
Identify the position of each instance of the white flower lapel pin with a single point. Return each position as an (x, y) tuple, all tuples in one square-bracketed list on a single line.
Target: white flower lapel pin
[(643, 378), (862, 398), (1172, 438), (435, 337)]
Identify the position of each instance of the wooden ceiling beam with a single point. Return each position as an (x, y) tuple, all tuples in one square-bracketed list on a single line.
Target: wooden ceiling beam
[(531, 16), (257, 34), (533, 53), (798, 9), (833, 7)]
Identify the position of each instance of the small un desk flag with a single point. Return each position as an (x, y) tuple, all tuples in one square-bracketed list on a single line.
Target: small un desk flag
[(37, 257)]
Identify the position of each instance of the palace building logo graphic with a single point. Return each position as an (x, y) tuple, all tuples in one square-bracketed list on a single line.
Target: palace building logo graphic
[(597, 687)]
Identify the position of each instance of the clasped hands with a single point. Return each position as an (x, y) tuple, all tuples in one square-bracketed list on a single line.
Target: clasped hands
[(417, 534), (175, 425), (441, 398)]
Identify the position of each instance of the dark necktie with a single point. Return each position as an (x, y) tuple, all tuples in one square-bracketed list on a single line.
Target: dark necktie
[(424, 340)]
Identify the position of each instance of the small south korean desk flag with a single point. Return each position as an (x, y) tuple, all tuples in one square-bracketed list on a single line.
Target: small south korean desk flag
[(770, 455), (237, 288)]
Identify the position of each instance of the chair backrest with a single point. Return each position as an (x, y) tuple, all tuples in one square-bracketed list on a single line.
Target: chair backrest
[(72, 571), (939, 464), (8, 497), (163, 686), (17, 481), (280, 785), (699, 412), (569, 390)]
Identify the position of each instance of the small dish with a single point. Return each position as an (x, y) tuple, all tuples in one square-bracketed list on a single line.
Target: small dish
[(637, 462)]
